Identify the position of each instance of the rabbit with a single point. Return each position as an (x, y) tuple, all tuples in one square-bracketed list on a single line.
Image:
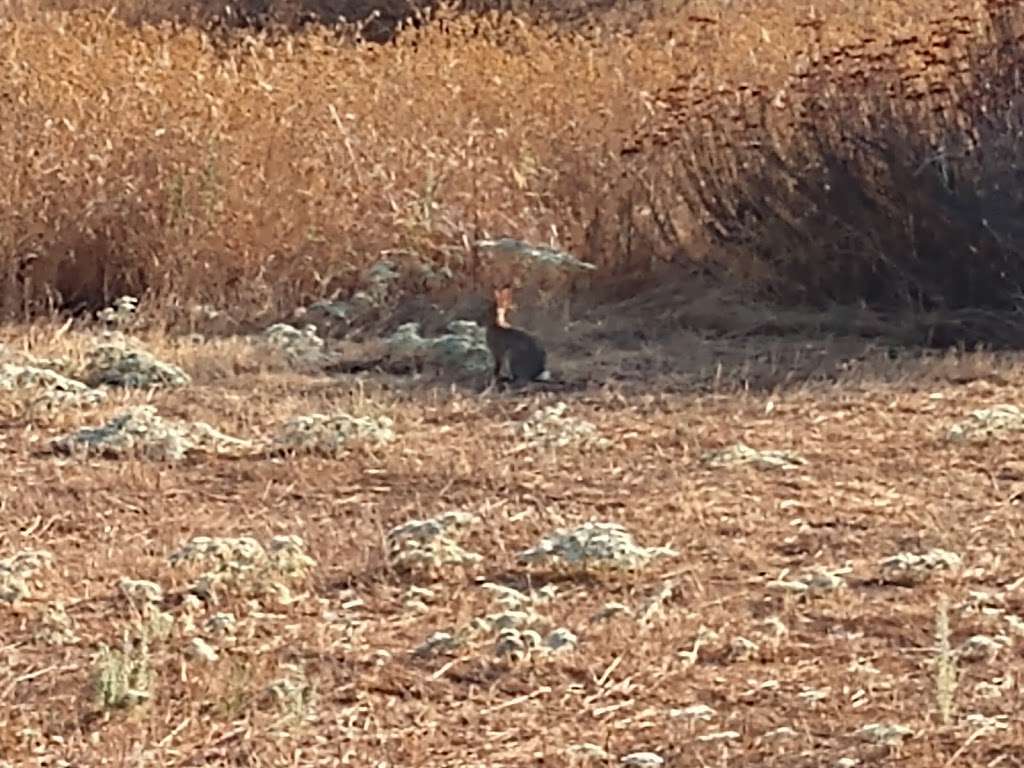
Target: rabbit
[(526, 357)]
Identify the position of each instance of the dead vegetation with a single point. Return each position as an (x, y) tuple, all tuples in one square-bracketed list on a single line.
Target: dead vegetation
[(878, 169), (268, 174), (517, 579), (807, 154), (742, 529)]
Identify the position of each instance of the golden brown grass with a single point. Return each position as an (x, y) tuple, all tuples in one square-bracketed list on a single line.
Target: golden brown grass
[(258, 171), (257, 174)]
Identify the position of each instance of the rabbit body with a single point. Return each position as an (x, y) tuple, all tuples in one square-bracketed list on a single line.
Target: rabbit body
[(526, 358)]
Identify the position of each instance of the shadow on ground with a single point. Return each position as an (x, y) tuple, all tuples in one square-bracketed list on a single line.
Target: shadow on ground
[(673, 334)]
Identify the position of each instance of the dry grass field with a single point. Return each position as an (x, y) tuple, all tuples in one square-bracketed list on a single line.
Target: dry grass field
[(766, 513), (774, 635)]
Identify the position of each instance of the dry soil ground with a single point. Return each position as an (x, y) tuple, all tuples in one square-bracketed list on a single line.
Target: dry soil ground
[(710, 663)]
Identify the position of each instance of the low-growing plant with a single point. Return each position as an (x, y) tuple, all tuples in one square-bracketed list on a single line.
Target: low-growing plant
[(122, 677)]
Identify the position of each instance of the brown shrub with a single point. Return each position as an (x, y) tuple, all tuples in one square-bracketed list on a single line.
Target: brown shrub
[(884, 170)]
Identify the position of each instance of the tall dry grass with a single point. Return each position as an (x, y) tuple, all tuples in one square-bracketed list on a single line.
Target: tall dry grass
[(788, 145), (260, 174)]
